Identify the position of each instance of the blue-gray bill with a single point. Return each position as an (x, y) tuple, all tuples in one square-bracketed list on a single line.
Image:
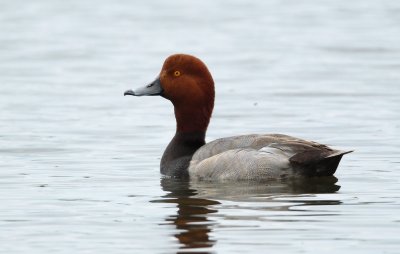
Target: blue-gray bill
[(154, 88)]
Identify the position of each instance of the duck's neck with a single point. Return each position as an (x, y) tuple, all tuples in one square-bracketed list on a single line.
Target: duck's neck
[(191, 127), (176, 158), (192, 119)]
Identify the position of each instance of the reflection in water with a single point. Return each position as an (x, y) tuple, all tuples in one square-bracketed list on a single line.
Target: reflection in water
[(196, 201), (265, 190), (191, 216)]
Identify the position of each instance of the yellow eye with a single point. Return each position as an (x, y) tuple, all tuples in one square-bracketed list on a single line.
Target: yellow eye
[(177, 73)]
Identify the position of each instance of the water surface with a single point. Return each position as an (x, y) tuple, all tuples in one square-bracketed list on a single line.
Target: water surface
[(80, 163)]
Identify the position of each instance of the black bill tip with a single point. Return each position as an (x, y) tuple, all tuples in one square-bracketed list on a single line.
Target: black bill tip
[(129, 92)]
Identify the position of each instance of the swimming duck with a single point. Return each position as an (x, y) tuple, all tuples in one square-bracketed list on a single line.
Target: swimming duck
[(186, 81)]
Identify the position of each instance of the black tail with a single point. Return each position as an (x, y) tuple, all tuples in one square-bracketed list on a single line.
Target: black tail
[(315, 163)]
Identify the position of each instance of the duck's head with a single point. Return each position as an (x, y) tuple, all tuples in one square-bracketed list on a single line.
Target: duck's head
[(187, 83)]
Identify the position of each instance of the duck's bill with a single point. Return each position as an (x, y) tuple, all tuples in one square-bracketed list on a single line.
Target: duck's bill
[(154, 88)]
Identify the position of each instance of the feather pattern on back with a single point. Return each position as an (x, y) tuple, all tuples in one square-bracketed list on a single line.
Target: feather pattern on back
[(267, 156)]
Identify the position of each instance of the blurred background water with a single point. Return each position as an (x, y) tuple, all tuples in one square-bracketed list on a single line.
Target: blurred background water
[(80, 163)]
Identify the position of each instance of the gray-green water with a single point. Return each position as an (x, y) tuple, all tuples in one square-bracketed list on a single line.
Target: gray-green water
[(79, 162)]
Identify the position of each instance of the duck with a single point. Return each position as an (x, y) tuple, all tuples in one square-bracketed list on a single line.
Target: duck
[(187, 83)]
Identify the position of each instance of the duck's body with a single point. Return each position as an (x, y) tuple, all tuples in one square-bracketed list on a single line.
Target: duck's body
[(269, 156), (186, 82), (247, 157)]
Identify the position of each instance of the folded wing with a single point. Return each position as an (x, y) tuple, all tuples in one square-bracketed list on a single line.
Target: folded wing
[(269, 156)]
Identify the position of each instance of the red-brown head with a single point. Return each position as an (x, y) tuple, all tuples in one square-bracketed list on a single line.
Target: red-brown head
[(187, 83)]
